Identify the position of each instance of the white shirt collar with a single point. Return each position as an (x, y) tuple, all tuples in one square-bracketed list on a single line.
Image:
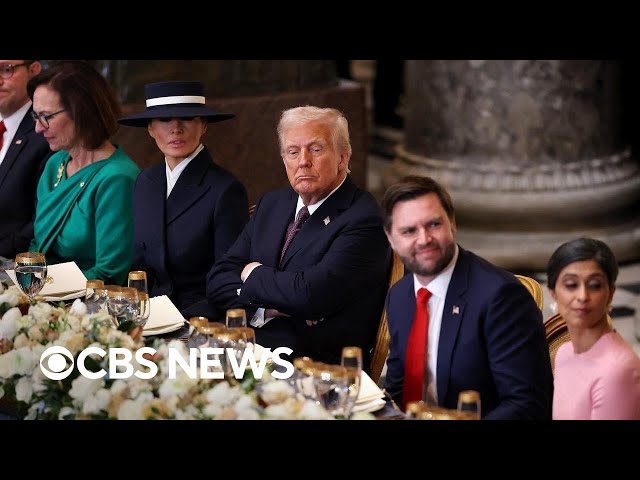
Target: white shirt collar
[(315, 206), (173, 175), (12, 122), (439, 285)]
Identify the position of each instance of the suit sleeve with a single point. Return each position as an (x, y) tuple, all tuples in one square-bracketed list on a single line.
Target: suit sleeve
[(353, 261), (223, 280), (138, 262), (518, 355), (231, 215)]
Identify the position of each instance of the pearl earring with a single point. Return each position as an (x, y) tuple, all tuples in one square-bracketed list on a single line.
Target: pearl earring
[(553, 306)]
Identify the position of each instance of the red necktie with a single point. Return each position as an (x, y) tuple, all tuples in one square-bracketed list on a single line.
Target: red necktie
[(415, 359), (2, 130)]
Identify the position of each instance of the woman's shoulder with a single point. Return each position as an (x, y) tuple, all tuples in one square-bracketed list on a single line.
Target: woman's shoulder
[(120, 163)]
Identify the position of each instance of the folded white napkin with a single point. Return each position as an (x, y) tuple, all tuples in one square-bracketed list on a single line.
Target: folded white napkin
[(163, 314), (369, 391)]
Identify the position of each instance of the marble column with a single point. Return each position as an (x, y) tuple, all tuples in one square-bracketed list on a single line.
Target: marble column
[(532, 152), (256, 91)]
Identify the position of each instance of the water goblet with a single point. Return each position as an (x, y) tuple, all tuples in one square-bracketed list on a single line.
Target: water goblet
[(144, 309), (31, 273), (352, 361), (332, 387), (469, 404), (236, 317), (122, 304), (92, 296), (138, 279)]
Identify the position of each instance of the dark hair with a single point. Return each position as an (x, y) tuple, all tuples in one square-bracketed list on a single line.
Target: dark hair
[(411, 187), (579, 250), (86, 96)]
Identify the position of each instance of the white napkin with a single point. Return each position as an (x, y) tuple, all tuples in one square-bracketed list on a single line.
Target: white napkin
[(67, 282), (163, 314), (369, 391)]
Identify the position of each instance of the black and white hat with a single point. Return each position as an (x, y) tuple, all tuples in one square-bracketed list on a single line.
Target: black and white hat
[(174, 99)]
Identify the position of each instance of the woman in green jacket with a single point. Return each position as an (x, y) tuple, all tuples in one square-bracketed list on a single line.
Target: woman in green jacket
[(84, 196)]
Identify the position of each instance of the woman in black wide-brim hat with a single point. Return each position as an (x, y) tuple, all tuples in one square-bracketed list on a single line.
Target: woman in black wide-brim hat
[(187, 210)]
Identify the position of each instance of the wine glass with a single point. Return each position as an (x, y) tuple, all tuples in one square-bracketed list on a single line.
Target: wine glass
[(122, 304), (352, 361), (144, 308), (469, 404), (236, 317), (92, 296), (31, 273), (138, 280), (332, 384)]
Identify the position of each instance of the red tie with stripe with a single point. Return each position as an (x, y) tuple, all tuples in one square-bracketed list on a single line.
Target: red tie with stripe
[(3, 129), (415, 358)]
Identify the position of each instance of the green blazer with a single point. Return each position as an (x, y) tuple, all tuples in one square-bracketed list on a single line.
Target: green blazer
[(87, 218)]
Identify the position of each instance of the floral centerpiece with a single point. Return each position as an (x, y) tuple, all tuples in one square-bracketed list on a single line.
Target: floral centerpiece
[(26, 331)]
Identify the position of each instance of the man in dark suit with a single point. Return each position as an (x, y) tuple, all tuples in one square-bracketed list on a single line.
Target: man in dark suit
[(22, 156), (475, 327), (315, 285), (187, 210)]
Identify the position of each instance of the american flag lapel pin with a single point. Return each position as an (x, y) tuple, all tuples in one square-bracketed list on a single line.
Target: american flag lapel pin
[(456, 310), (326, 220), (18, 142)]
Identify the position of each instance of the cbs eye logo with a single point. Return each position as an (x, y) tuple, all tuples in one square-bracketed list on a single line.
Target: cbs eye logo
[(53, 367)]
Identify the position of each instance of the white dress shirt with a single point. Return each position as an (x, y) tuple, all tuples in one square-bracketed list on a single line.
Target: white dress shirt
[(438, 288), (173, 175), (11, 123)]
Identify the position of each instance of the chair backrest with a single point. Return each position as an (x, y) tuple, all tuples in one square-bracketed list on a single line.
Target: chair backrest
[(252, 209), (534, 289), (557, 333), (381, 349)]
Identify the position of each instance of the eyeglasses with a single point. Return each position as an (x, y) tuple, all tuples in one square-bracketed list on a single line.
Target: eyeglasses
[(44, 118), (6, 70)]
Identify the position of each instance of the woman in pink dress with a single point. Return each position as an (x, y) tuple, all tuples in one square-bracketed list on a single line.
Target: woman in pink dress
[(597, 374)]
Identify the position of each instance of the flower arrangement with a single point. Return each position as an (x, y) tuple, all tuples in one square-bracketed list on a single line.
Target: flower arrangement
[(26, 331)]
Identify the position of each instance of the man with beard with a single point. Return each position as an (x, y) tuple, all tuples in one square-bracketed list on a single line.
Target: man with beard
[(457, 322)]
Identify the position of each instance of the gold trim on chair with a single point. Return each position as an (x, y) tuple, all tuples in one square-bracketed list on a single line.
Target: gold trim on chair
[(381, 350), (534, 289), (556, 333)]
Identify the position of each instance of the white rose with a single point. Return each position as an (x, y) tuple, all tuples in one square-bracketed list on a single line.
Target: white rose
[(11, 296), (78, 308), (9, 324), (94, 404), (134, 409), (66, 411), (312, 411), (24, 389), (222, 394), (83, 387), (276, 392)]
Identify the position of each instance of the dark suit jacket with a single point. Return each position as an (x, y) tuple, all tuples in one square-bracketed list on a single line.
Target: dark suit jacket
[(495, 344), (335, 269), (19, 174), (177, 239)]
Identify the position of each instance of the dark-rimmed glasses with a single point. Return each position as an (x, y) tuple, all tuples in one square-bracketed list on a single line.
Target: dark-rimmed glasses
[(44, 118), (6, 70)]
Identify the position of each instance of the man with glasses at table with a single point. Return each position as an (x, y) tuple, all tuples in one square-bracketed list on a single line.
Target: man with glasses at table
[(23, 154)]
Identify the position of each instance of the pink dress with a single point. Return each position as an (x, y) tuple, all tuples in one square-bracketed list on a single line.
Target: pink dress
[(602, 383)]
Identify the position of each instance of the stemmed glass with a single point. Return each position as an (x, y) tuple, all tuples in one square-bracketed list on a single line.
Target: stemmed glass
[(93, 298), (138, 279), (352, 361), (332, 387), (144, 308), (122, 304), (469, 404), (236, 317), (31, 273)]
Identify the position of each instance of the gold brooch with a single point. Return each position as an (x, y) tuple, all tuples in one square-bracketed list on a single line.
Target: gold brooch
[(60, 172)]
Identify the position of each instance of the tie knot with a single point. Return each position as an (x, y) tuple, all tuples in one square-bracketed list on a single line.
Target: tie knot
[(302, 216), (3, 128), (423, 295)]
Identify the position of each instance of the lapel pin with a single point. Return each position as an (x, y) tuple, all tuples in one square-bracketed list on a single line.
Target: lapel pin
[(326, 220), (18, 142), (456, 310)]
